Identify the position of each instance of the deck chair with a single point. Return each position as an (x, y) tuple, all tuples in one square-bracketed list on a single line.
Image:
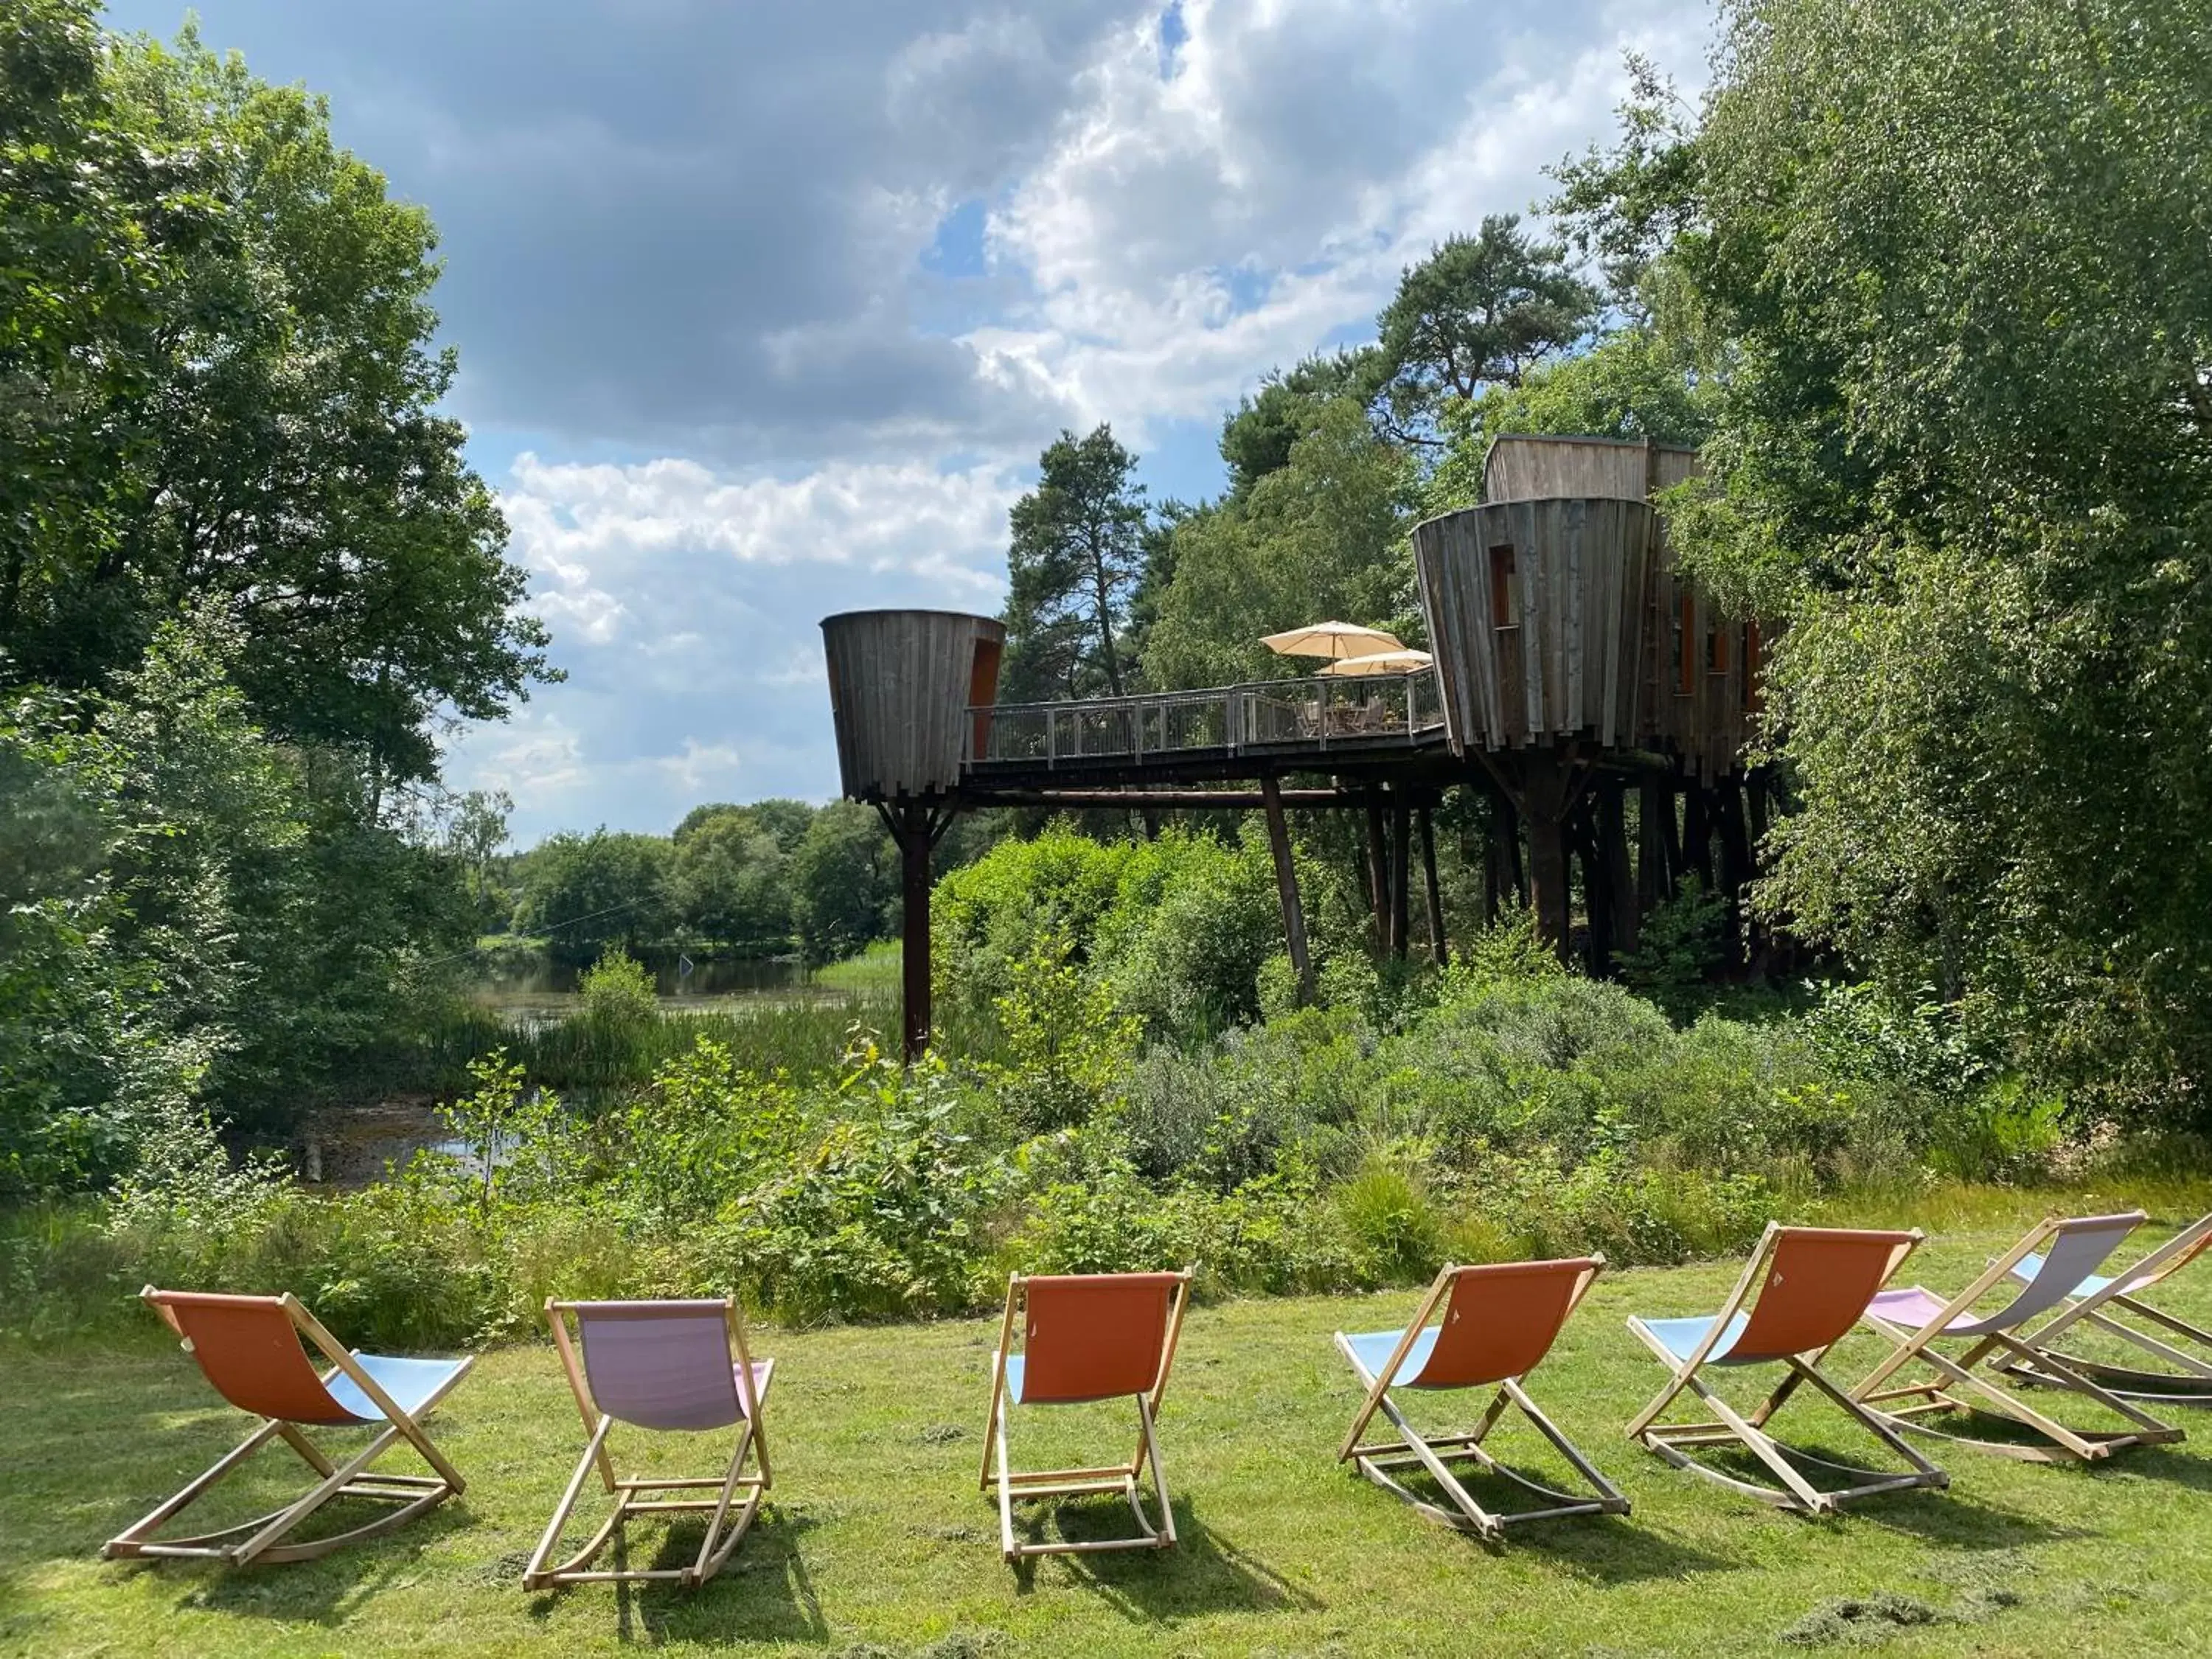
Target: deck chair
[(1086, 1337), (1801, 1293), (249, 1348), (2099, 1303), (671, 1365), (1498, 1321), (2068, 1252)]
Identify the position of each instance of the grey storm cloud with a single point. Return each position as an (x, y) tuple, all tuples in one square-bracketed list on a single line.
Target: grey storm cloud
[(697, 225)]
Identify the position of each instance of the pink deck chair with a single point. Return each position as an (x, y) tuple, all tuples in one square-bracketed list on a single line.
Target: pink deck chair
[(1086, 1337), (2185, 1378), (678, 1366), (2067, 1254), (1497, 1322), (249, 1349), (1801, 1293)]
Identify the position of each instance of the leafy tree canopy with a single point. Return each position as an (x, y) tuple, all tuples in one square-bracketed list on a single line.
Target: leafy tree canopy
[(1075, 557)]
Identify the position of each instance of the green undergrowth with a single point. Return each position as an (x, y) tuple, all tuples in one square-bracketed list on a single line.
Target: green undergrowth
[(877, 1539)]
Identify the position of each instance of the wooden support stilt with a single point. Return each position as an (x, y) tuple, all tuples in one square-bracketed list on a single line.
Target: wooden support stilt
[(1697, 834), (1619, 878), (1671, 836), (1736, 860), (1597, 893), (1437, 947), (1402, 881), (916, 826), (1655, 807), (1378, 872), (1286, 888), (1545, 788)]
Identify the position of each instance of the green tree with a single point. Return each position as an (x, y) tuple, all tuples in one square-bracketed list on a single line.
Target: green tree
[(1635, 383), (587, 892), (1479, 311), (1258, 436), (1952, 268), (1076, 554), (1321, 536), (218, 388), (729, 884), (844, 882)]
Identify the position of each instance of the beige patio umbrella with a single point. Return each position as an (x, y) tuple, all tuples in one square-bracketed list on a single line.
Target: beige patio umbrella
[(1334, 640), (1383, 662)]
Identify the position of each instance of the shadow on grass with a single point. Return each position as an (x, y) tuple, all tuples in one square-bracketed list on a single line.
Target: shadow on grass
[(764, 1594), (1205, 1572), (327, 1590)]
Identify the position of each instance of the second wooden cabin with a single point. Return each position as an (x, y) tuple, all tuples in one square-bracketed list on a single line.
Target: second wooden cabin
[(1557, 614)]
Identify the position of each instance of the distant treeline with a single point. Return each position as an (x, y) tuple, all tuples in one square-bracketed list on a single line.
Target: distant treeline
[(765, 879)]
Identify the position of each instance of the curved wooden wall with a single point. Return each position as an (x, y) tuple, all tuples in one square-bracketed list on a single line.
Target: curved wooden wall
[(901, 684), (1536, 612), (1697, 669)]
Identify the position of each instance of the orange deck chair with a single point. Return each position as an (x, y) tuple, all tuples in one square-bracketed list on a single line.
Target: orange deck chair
[(2067, 1254), (249, 1348), (1498, 1321), (2182, 1377), (1086, 1337), (1804, 1288)]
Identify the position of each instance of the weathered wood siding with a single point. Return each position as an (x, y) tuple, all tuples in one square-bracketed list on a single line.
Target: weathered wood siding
[(900, 683), (1564, 662), (1700, 712)]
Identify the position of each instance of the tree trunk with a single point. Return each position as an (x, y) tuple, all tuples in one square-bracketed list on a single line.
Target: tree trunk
[(1597, 895)]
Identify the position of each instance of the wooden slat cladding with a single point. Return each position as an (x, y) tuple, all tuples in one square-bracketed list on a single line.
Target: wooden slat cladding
[(1689, 674), (900, 683), (1564, 664)]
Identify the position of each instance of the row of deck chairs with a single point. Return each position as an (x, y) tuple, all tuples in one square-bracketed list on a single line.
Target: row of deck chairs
[(686, 1366)]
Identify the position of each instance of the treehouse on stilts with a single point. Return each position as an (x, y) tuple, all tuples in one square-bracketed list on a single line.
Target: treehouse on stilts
[(1573, 669)]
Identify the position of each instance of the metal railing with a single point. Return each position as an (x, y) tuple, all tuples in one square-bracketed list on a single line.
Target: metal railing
[(1319, 713)]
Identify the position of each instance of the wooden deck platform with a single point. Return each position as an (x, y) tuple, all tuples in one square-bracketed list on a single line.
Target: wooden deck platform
[(1361, 726)]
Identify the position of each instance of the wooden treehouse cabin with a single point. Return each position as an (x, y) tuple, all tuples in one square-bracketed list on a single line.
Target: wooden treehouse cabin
[(1572, 664)]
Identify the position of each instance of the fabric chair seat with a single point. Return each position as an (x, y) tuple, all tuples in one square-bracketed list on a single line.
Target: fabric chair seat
[(408, 1382), (2092, 1284), (1373, 1349), (1914, 1306), (1681, 1337)]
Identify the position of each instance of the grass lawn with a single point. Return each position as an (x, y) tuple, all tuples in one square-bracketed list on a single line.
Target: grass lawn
[(877, 1533)]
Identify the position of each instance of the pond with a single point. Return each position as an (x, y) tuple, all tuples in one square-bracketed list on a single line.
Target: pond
[(537, 987)]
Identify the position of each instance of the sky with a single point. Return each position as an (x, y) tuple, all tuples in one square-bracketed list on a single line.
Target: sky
[(764, 311)]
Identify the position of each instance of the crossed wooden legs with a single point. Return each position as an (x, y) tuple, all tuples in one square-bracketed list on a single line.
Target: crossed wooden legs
[(1069, 1483), (261, 1539), (1671, 1440), (724, 1530), (1435, 1454)]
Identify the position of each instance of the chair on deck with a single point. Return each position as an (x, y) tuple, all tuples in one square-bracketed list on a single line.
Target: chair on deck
[(2189, 1381), (670, 1365), (249, 1348), (1805, 1288), (1499, 1322), (1915, 1319), (1086, 1337)]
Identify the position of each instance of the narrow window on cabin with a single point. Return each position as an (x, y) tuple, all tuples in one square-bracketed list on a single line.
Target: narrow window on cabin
[(1686, 630), (1502, 592), (1717, 651)]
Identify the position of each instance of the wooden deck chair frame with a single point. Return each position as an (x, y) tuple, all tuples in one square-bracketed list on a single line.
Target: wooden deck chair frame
[(1015, 1486), (261, 1540), (725, 1530), (2189, 1381), (1434, 1453), (1959, 1387), (1677, 1441)]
